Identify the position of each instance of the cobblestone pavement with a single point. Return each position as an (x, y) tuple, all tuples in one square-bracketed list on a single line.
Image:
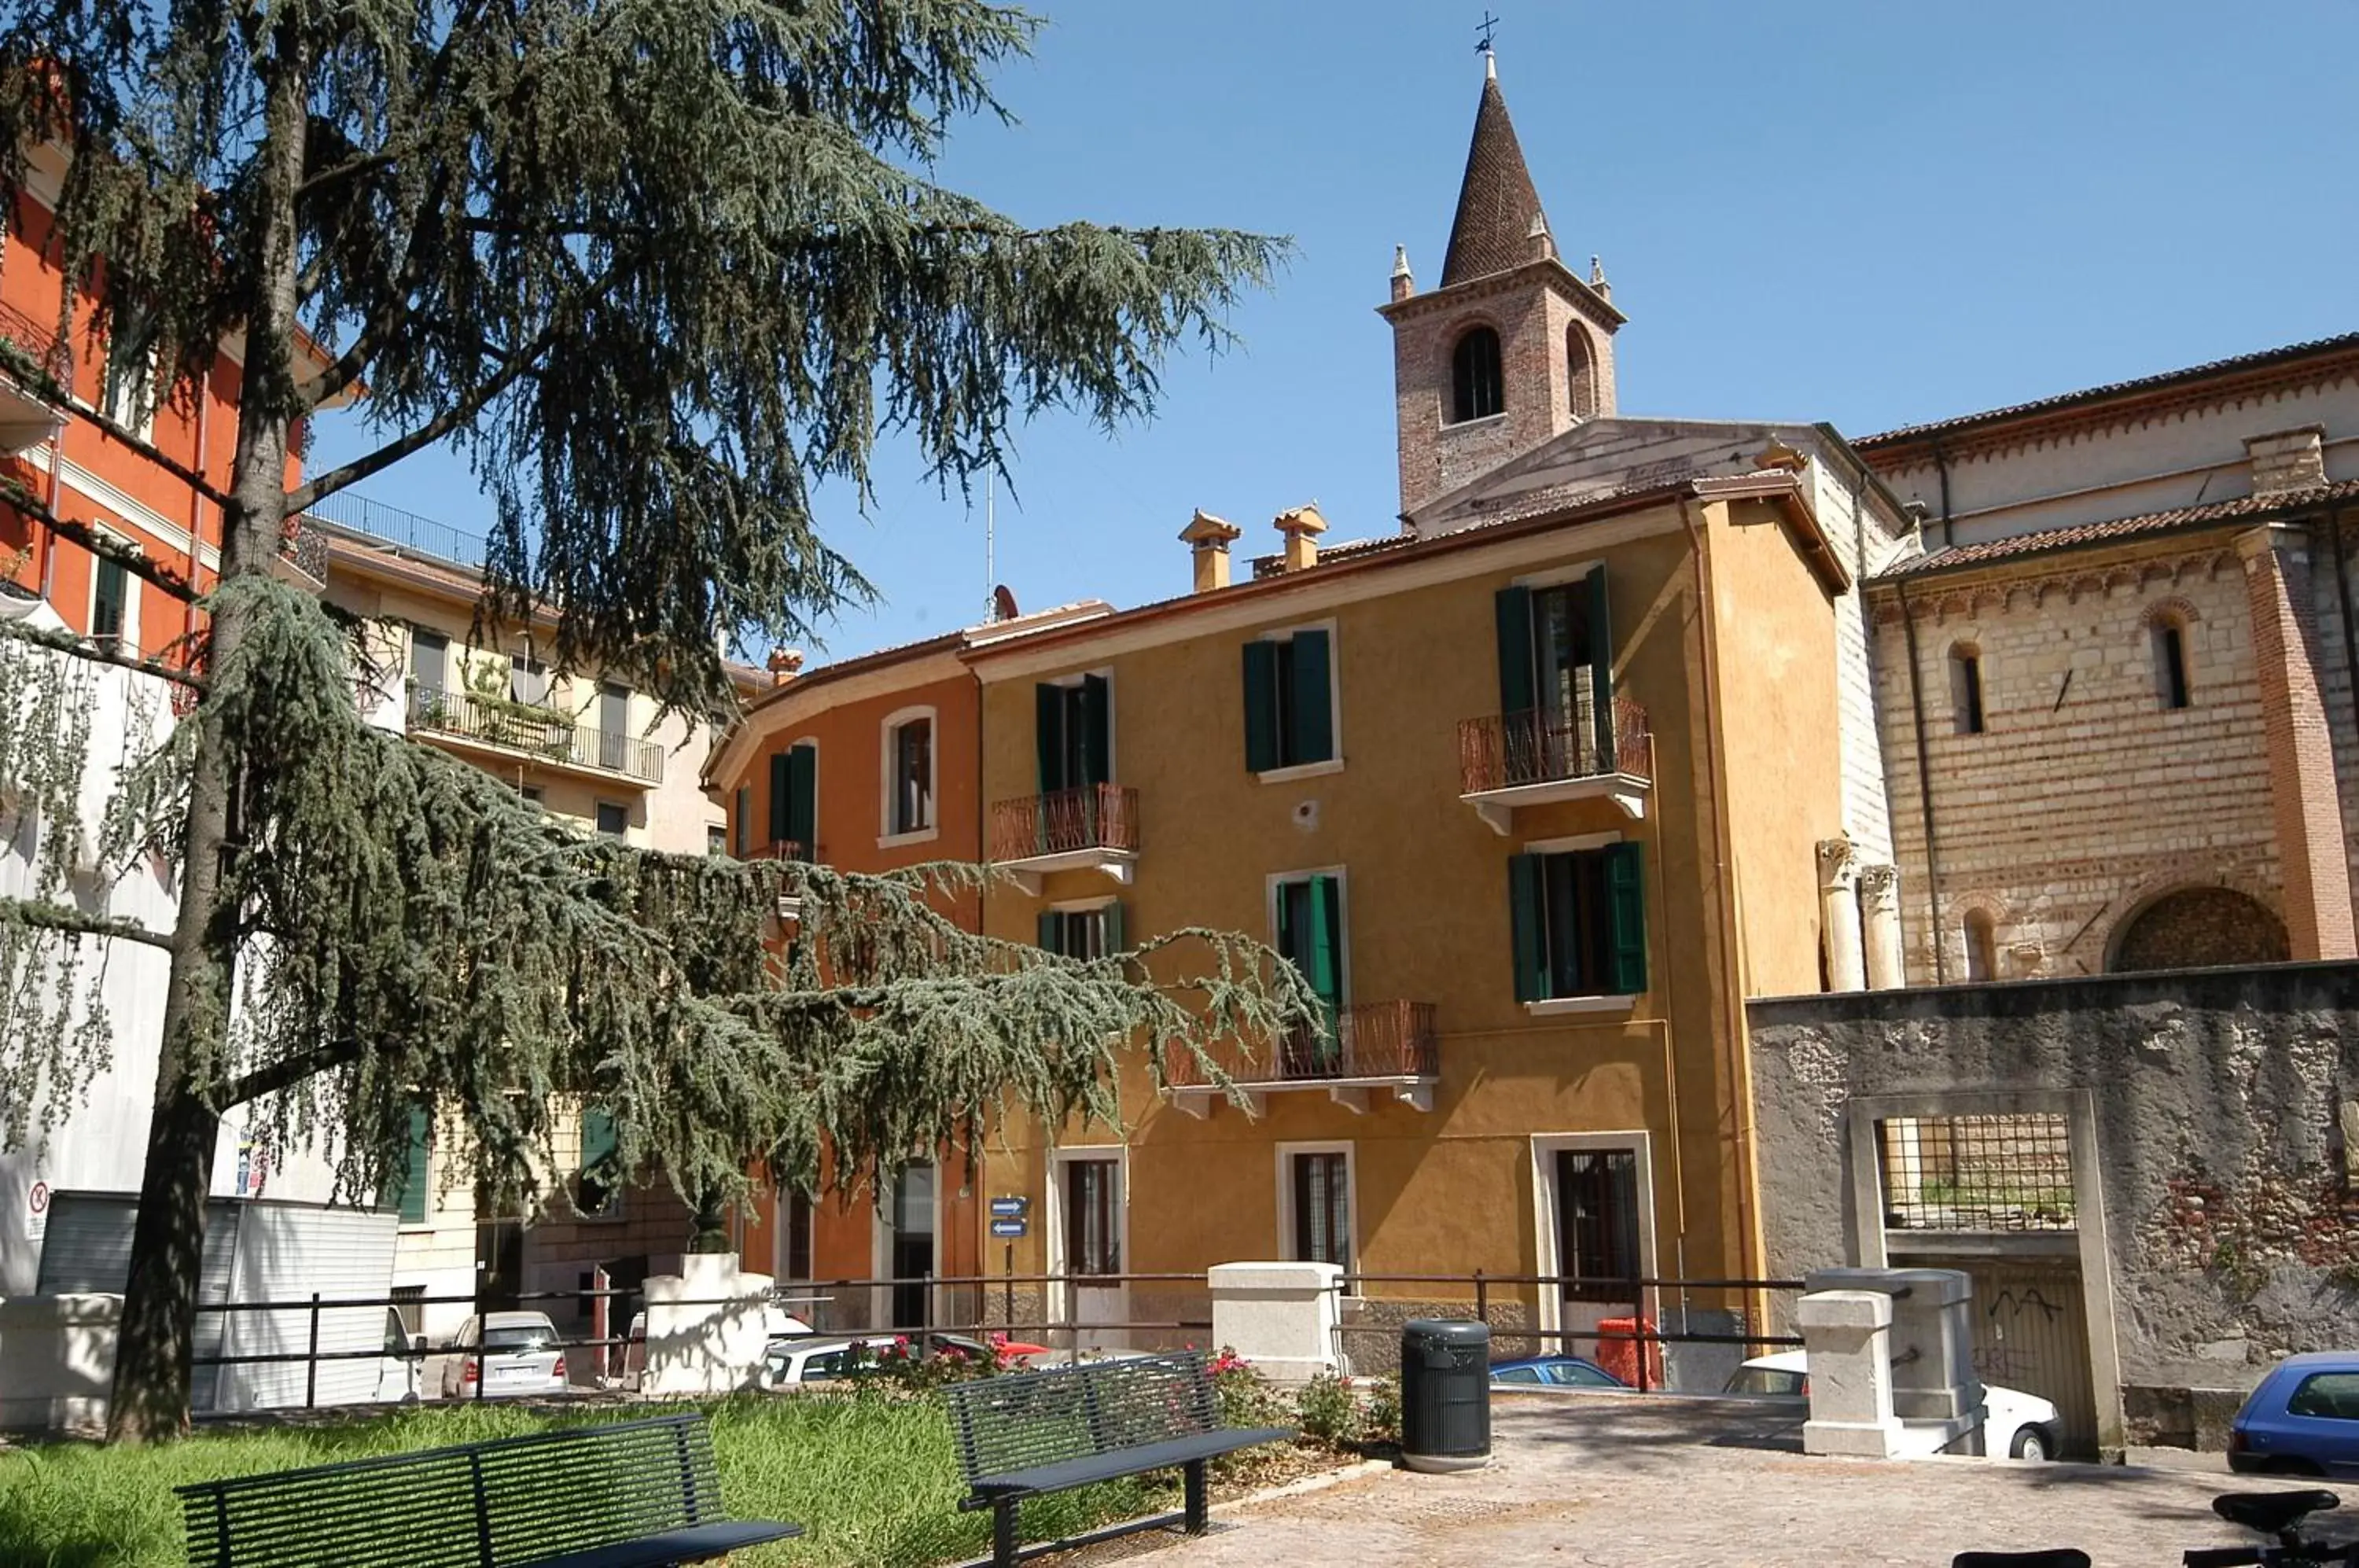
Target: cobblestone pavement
[(1621, 1481)]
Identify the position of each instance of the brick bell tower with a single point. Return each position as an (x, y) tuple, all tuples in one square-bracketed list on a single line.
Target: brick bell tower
[(1513, 348)]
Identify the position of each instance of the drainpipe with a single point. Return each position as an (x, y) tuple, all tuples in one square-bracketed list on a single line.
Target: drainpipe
[(1942, 466), (1924, 794), (1724, 905), (1670, 1063)]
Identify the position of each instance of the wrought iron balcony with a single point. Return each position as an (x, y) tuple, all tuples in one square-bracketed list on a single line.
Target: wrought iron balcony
[(548, 736), (1094, 826), (26, 414), (1376, 1046), (1532, 758)]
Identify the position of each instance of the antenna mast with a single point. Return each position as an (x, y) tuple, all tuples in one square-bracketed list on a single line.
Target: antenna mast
[(990, 544)]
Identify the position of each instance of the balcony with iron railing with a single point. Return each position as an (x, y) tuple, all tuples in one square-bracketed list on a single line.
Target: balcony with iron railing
[(1374, 1048), (1094, 827), (547, 737), (27, 414), (1548, 754)]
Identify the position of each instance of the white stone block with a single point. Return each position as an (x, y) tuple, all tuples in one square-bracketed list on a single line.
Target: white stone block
[(1282, 1317), (57, 1362), (707, 1326)]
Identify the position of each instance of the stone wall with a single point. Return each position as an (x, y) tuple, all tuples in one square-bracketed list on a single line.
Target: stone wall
[(2222, 1099)]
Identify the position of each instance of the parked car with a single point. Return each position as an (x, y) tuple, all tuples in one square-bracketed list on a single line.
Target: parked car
[(2302, 1419), (1553, 1372), (791, 1361), (508, 1354), (1012, 1349), (2015, 1425), (401, 1370)]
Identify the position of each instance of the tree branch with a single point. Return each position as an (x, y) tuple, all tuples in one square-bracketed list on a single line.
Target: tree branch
[(171, 465), (58, 917), (309, 495), (285, 1074), (76, 647), (131, 559)]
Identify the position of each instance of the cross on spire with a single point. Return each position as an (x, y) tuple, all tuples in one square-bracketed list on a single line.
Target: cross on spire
[(1486, 26)]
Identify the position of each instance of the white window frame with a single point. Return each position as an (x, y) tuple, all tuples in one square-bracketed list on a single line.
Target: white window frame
[(1334, 700), (1083, 906), (110, 395), (1544, 1147), (880, 1254), (1052, 1215), (888, 780), (1287, 1238), (129, 641), (1277, 879)]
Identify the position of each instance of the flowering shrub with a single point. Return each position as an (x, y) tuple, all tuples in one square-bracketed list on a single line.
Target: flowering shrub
[(1380, 1416), (900, 1368), (1328, 1409), (1244, 1395)]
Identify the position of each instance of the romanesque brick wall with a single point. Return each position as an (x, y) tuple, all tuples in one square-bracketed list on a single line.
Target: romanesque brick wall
[(2085, 797)]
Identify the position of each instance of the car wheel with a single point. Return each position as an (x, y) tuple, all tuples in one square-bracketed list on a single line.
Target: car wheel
[(2030, 1444)]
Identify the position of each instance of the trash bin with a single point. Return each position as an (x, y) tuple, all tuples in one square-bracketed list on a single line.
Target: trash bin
[(1622, 1355), (1445, 1394)]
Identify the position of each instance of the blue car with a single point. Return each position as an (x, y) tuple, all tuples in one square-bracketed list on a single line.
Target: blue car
[(1553, 1372), (2303, 1420)]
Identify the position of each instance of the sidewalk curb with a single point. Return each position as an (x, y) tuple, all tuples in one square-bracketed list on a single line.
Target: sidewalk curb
[(1318, 1483)]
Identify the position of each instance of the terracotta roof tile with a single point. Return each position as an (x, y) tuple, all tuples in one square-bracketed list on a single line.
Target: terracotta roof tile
[(2080, 534), (2087, 395), (1496, 203)]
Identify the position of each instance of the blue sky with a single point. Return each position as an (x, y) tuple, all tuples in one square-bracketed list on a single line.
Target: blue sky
[(1868, 212)]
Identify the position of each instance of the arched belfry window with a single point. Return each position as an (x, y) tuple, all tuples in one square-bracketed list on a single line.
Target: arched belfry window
[(1476, 389), (1581, 366)]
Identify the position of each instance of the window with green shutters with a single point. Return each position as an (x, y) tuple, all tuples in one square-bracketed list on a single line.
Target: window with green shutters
[(1290, 700), (1556, 678), (411, 1189), (1309, 917), (600, 1188), (794, 798), (1083, 933), (1579, 921), (110, 595)]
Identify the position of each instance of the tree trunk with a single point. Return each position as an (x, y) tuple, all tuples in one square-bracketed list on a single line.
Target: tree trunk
[(155, 1345)]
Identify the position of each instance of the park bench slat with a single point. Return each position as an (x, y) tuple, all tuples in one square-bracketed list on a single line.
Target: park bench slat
[(1051, 1430), (618, 1496)]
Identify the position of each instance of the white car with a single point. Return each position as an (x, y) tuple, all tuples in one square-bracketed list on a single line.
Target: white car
[(505, 1354), (789, 1361), (2016, 1425)]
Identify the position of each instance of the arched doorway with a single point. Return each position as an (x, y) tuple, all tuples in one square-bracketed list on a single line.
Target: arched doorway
[(2197, 928)]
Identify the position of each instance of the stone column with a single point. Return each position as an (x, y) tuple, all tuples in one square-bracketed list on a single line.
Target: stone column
[(1846, 1336), (1839, 914), (1879, 899), (2311, 855)]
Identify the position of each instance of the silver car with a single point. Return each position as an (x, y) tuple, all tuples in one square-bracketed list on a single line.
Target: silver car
[(504, 1354)]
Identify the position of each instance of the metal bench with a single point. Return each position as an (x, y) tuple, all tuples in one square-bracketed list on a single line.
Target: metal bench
[(640, 1494), (1034, 1433)]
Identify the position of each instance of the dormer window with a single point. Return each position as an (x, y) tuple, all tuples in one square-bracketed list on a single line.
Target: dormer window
[(1477, 387)]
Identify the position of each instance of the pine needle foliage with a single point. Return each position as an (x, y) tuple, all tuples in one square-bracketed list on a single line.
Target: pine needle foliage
[(655, 266)]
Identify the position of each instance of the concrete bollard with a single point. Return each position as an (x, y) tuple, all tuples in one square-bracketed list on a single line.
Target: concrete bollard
[(707, 1327), (1933, 1347), (1846, 1336), (1282, 1317)]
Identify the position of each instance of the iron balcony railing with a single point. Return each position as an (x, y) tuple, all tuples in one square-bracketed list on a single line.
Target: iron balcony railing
[(518, 727), (40, 341), (779, 849), (1370, 1039), (1549, 746), (1095, 816)]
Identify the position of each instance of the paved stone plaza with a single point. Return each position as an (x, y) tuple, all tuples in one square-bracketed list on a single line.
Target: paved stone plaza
[(1619, 1480)]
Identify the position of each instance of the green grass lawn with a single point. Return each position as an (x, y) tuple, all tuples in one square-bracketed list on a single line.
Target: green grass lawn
[(872, 1481)]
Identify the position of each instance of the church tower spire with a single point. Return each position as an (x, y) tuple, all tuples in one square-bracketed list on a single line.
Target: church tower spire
[(1512, 348)]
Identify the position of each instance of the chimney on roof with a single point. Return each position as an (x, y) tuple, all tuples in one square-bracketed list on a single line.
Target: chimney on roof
[(785, 663), (1301, 526), (1208, 539), (2287, 461), (1404, 282)]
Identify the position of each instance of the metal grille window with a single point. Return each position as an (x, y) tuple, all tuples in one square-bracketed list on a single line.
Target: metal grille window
[(1976, 1173), (795, 1226), (1597, 1213), (1093, 1244), (1322, 1216)]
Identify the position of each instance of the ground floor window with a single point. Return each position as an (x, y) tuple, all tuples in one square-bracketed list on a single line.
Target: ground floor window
[(1319, 1200), (1597, 1222), (1093, 1212)]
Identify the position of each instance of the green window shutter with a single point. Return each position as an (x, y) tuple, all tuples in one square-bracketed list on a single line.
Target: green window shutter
[(1325, 959), (782, 790), (415, 1183), (1097, 731), (1625, 887), (1117, 940), (1515, 613), (802, 798), (599, 1141), (1530, 939), (1601, 668), (1261, 706), (1048, 705), (1314, 706), (744, 822), (1052, 930)]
